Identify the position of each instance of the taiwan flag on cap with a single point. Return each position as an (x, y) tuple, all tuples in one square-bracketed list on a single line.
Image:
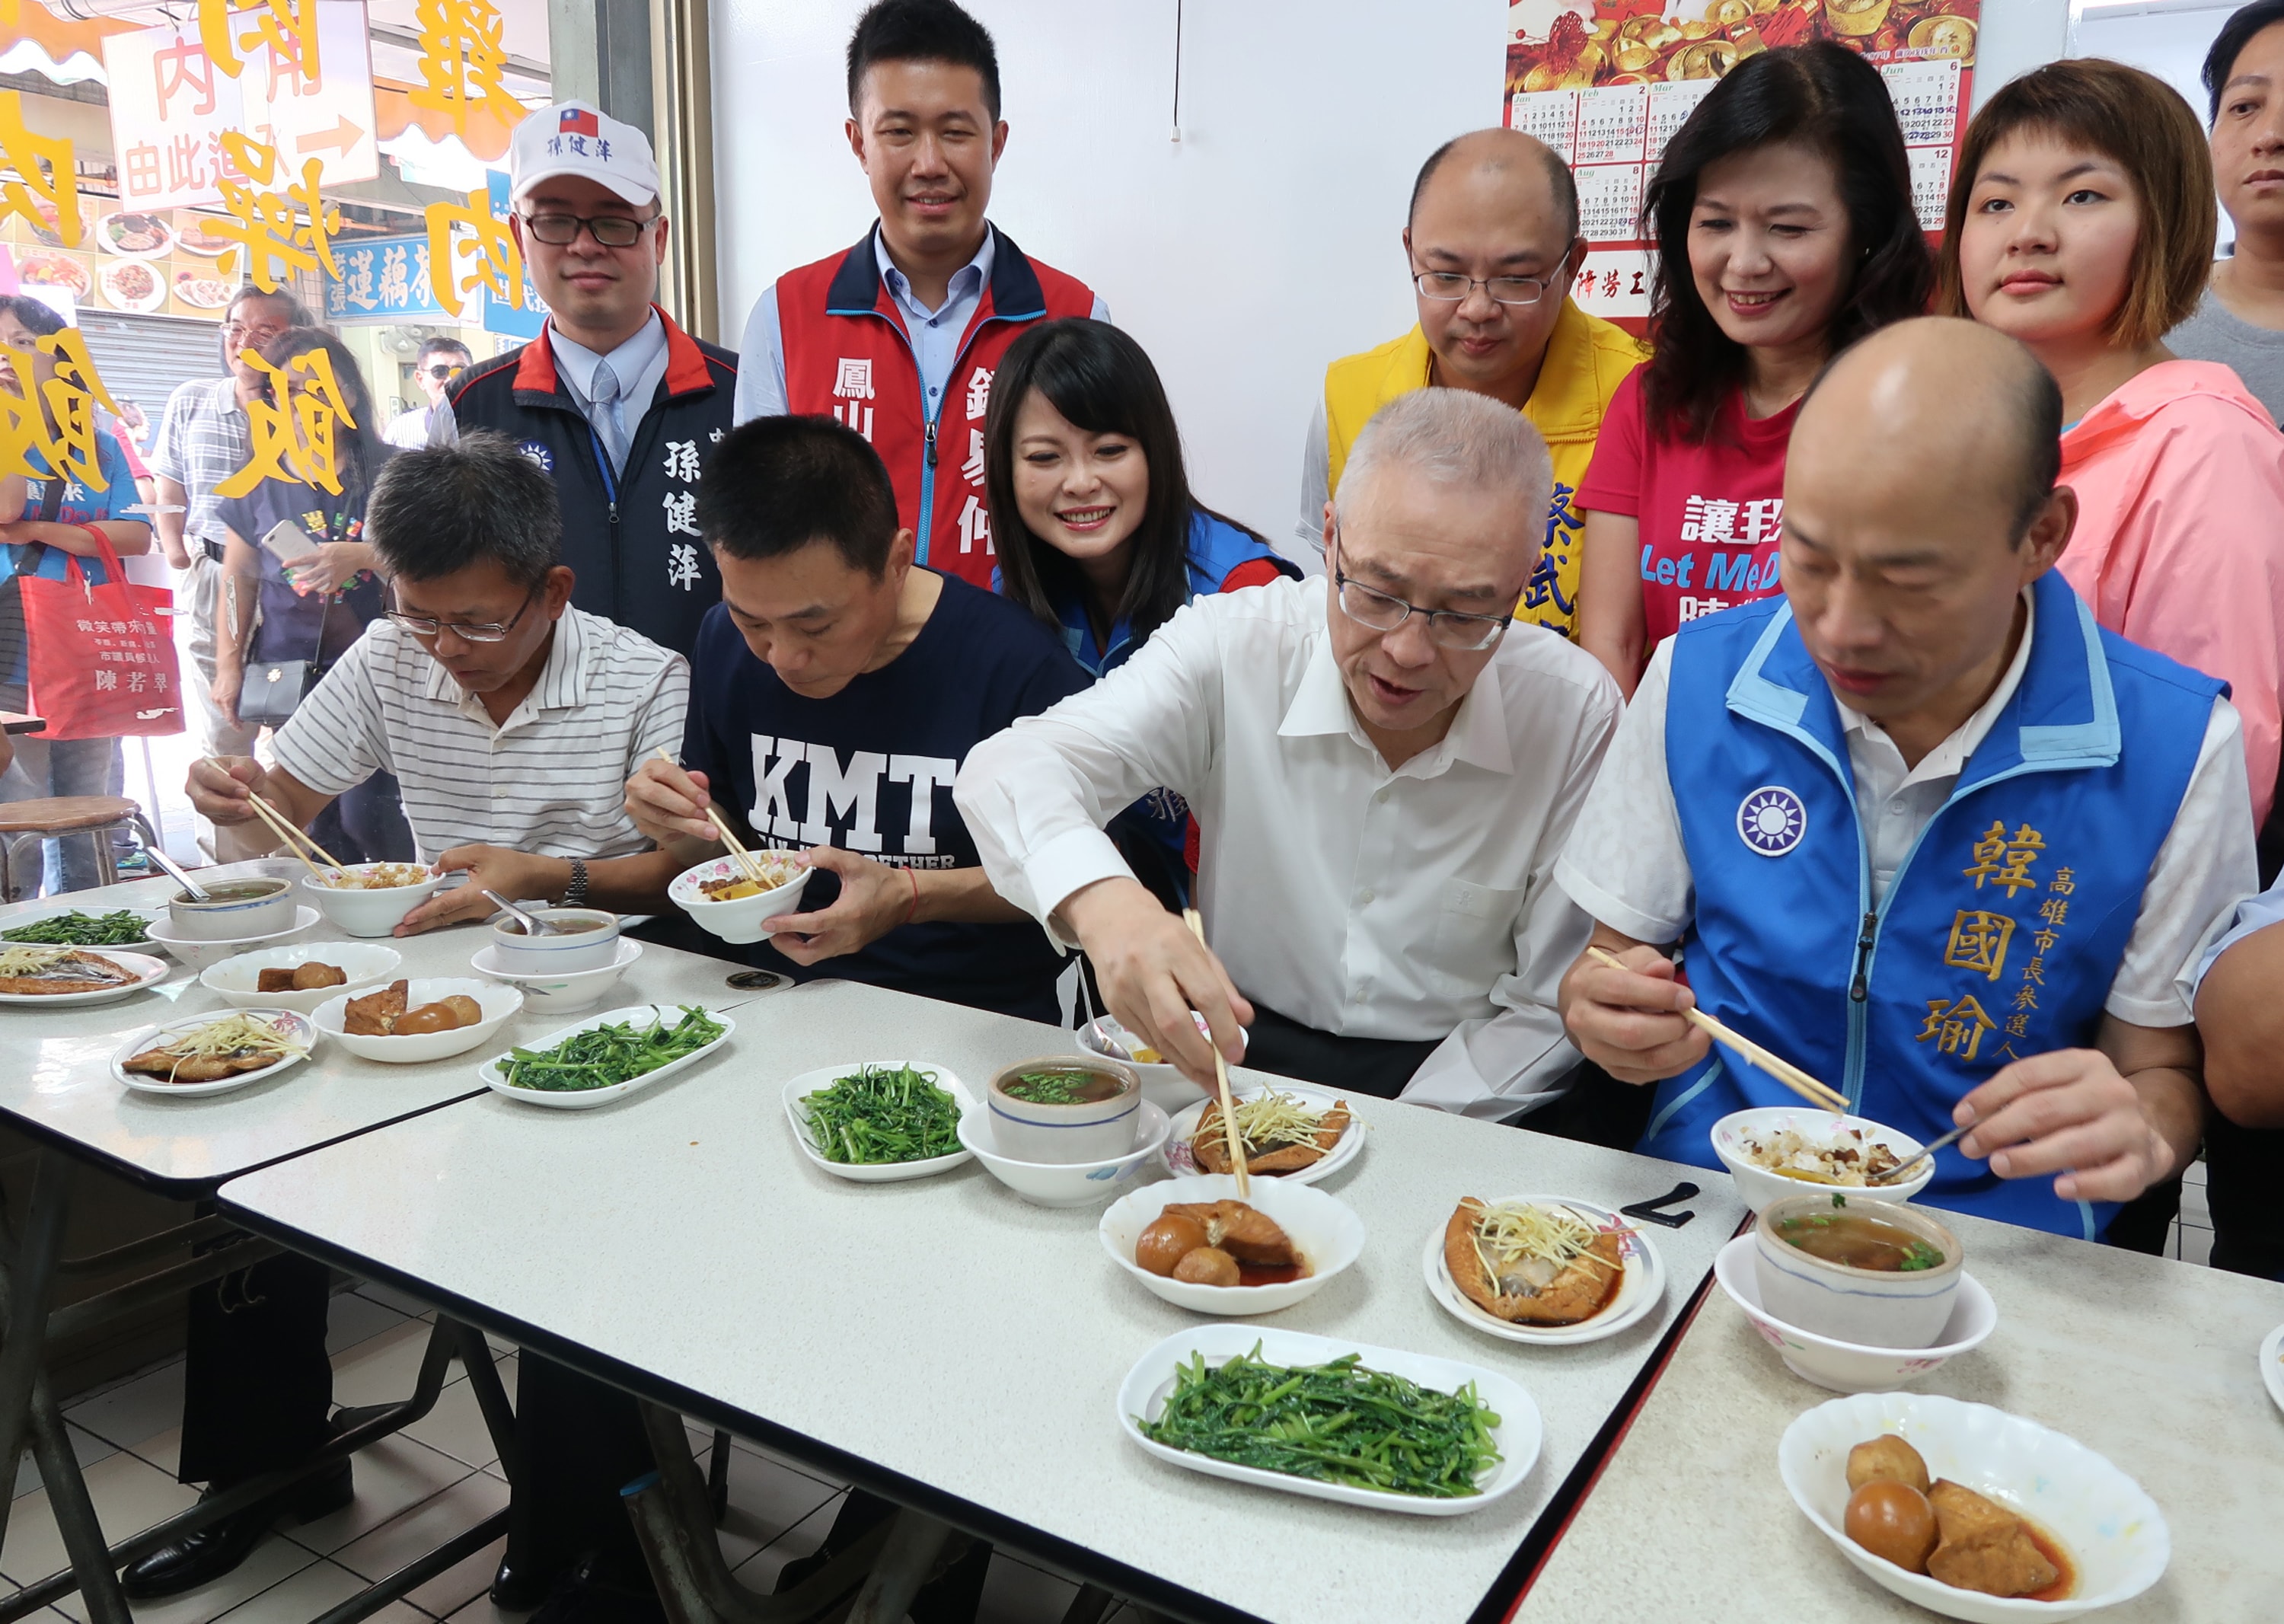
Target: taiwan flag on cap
[(579, 138), (577, 121)]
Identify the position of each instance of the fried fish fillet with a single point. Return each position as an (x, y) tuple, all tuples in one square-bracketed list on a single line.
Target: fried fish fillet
[(1210, 1144), (1579, 1291), (53, 984), (203, 1068)]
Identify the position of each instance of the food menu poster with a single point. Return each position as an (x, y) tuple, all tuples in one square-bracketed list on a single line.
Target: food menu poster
[(164, 263), (1608, 83)]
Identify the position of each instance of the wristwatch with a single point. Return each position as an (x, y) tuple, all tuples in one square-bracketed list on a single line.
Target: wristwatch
[(574, 895)]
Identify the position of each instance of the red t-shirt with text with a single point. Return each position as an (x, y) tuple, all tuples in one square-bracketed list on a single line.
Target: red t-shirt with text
[(1708, 511)]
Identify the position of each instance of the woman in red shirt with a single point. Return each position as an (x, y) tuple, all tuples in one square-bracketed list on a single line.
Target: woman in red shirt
[(1782, 213)]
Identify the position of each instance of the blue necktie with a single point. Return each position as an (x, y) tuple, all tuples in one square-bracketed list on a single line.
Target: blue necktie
[(609, 416)]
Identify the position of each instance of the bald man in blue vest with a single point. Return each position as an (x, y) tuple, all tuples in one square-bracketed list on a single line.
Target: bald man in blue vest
[(1920, 825)]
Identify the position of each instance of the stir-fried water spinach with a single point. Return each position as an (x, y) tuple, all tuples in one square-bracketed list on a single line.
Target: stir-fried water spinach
[(604, 1056), (883, 1114), (1336, 1422), (84, 930)]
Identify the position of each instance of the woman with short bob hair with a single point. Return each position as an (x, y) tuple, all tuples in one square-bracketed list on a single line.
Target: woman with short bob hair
[(1785, 228), (2081, 221)]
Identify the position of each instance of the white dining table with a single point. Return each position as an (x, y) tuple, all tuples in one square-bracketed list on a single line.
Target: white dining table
[(940, 1340), (2150, 1362)]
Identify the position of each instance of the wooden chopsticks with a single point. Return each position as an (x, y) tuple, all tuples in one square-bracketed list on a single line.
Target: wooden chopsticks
[(292, 838), (1196, 922), (747, 865), (1784, 1071)]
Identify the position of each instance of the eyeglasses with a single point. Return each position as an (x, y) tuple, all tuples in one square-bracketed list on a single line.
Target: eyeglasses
[(256, 333), (1447, 628), (610, 231), (442, 373), (428, 626), (1450, 287)]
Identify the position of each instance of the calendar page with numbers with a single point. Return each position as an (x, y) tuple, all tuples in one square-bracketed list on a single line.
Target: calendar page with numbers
[(1608, 83)]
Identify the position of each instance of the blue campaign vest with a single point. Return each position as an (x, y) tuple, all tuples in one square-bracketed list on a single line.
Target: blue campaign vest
[(1215, 548), (1999, 937)]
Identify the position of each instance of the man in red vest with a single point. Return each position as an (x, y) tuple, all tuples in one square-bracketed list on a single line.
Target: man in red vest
[(898, 337)]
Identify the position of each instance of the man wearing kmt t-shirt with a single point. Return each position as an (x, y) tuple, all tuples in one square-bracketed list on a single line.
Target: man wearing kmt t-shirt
[(898, 337)]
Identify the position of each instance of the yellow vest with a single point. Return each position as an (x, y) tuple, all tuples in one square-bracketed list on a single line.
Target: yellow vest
[(1586, 360)]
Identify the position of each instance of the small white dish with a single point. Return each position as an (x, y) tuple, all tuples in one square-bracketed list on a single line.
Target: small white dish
[(1182, 1160), (2272, 1364), (1870, 1308), (1757, 1186), (287, 1023), (1847, 1367), (252, 905), (494, 1071), (562, 991), (201, 955), (1084, 1184), (1638, 1292), (593, 947), (2111, 1530), (873, 1173), (1518, 1433), (1323, 1230), (148, 971), (33, 915), (742, 919), (236, 980), (373, 913), (498, 1002)]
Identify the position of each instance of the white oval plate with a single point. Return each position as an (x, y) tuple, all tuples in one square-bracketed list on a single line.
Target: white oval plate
[(1182, 1161), (2115, 1536), (149, 972), (1638, 1292), (150, 916), (287, 1023), (495, 1076), (874, 1173), (1519, 1431), (2272, 1364), (366, 964)]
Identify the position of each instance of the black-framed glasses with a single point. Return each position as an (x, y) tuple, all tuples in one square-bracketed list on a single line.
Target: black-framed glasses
[(443, 372), (482, 631), (1383, 612), (610, 231), (1450, 287)]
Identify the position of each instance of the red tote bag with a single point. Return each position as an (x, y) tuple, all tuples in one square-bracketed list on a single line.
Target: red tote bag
[(101, 658)]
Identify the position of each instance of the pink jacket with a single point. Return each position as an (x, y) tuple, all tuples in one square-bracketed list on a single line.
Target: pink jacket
[(2179, 543)]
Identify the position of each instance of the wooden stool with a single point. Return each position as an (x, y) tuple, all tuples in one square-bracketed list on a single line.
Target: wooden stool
[(97, 817)]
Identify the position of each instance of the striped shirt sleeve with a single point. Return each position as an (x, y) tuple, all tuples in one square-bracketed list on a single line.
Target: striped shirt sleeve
[(337, 737)]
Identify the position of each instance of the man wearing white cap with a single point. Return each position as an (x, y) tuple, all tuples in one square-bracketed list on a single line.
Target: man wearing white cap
[(614, 400)]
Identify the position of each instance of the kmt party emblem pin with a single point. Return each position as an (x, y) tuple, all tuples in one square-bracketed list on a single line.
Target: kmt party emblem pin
[(1771, 820)]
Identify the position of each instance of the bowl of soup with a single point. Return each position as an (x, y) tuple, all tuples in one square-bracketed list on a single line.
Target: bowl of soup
[(1878, 1273), (583, 938), (235, 910), (1060, 1109)]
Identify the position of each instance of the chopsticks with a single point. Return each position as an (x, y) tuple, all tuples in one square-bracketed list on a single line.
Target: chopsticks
[(1196, 922), (292, 838), (746, 866), (1784, 1071)]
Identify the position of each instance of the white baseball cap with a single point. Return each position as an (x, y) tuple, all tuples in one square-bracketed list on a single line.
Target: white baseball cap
[(577, 138)]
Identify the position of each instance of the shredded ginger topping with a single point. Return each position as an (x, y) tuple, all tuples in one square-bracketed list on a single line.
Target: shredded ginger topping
[(1270, 1120), (26, 959), (1530, 1245), (232, 1034)]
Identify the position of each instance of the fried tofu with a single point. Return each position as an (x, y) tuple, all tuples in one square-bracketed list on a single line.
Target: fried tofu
[(273, 982), (375, 1014), (1983, 1546)]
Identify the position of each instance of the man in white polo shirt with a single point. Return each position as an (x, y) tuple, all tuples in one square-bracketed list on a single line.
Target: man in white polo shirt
[(511, 720)]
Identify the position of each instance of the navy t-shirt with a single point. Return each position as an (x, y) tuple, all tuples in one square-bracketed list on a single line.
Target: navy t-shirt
[(870, 769)]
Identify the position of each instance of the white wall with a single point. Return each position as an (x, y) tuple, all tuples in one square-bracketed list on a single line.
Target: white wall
[(1260, 247), (2165, 37)]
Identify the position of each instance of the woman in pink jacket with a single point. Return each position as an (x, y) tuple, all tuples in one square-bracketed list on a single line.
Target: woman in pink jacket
[(2081, 221)]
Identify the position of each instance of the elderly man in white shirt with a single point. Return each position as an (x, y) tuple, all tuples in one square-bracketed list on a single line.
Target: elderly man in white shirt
[(1383, 771)]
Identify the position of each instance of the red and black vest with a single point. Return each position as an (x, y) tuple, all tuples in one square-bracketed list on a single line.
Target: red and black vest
[(848, 355)]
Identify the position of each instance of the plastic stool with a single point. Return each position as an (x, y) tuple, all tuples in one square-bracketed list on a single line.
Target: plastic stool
[(37, 822)]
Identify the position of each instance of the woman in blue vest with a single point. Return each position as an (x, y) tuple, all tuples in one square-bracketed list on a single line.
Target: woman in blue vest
[(1099, 535)]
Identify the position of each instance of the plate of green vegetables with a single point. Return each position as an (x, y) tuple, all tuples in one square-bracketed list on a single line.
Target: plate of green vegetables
[(1331, 1419), (878, 1120), (128, 929), (608, 1057)]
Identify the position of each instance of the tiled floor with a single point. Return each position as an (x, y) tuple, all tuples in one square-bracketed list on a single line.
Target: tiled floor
[(414, 1490), (2190, 1239)]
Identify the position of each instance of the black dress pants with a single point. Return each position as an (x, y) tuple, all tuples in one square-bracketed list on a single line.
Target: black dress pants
[(257, 1387), (2244, 1168), (1377, 1067), (578, 1441)]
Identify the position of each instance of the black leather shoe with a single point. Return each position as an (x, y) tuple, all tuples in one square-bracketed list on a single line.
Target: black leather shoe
[(205, 1556), (518, 1588)]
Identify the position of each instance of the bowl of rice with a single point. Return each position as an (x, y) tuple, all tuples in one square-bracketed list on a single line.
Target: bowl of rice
[(1779, 1150)]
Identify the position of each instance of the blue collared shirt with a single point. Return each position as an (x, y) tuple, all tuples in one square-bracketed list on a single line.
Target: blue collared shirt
[(640, 363)]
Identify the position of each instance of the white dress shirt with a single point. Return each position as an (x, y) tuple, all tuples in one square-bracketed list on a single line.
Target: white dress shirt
[(1410, 903), (1625, 864)]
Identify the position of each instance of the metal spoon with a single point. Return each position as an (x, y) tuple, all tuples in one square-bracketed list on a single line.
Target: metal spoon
[(198, 893), (532, 924), (1898, 1173)]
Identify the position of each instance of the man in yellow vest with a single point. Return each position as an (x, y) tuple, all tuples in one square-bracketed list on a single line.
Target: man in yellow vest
[(1492, 242)]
